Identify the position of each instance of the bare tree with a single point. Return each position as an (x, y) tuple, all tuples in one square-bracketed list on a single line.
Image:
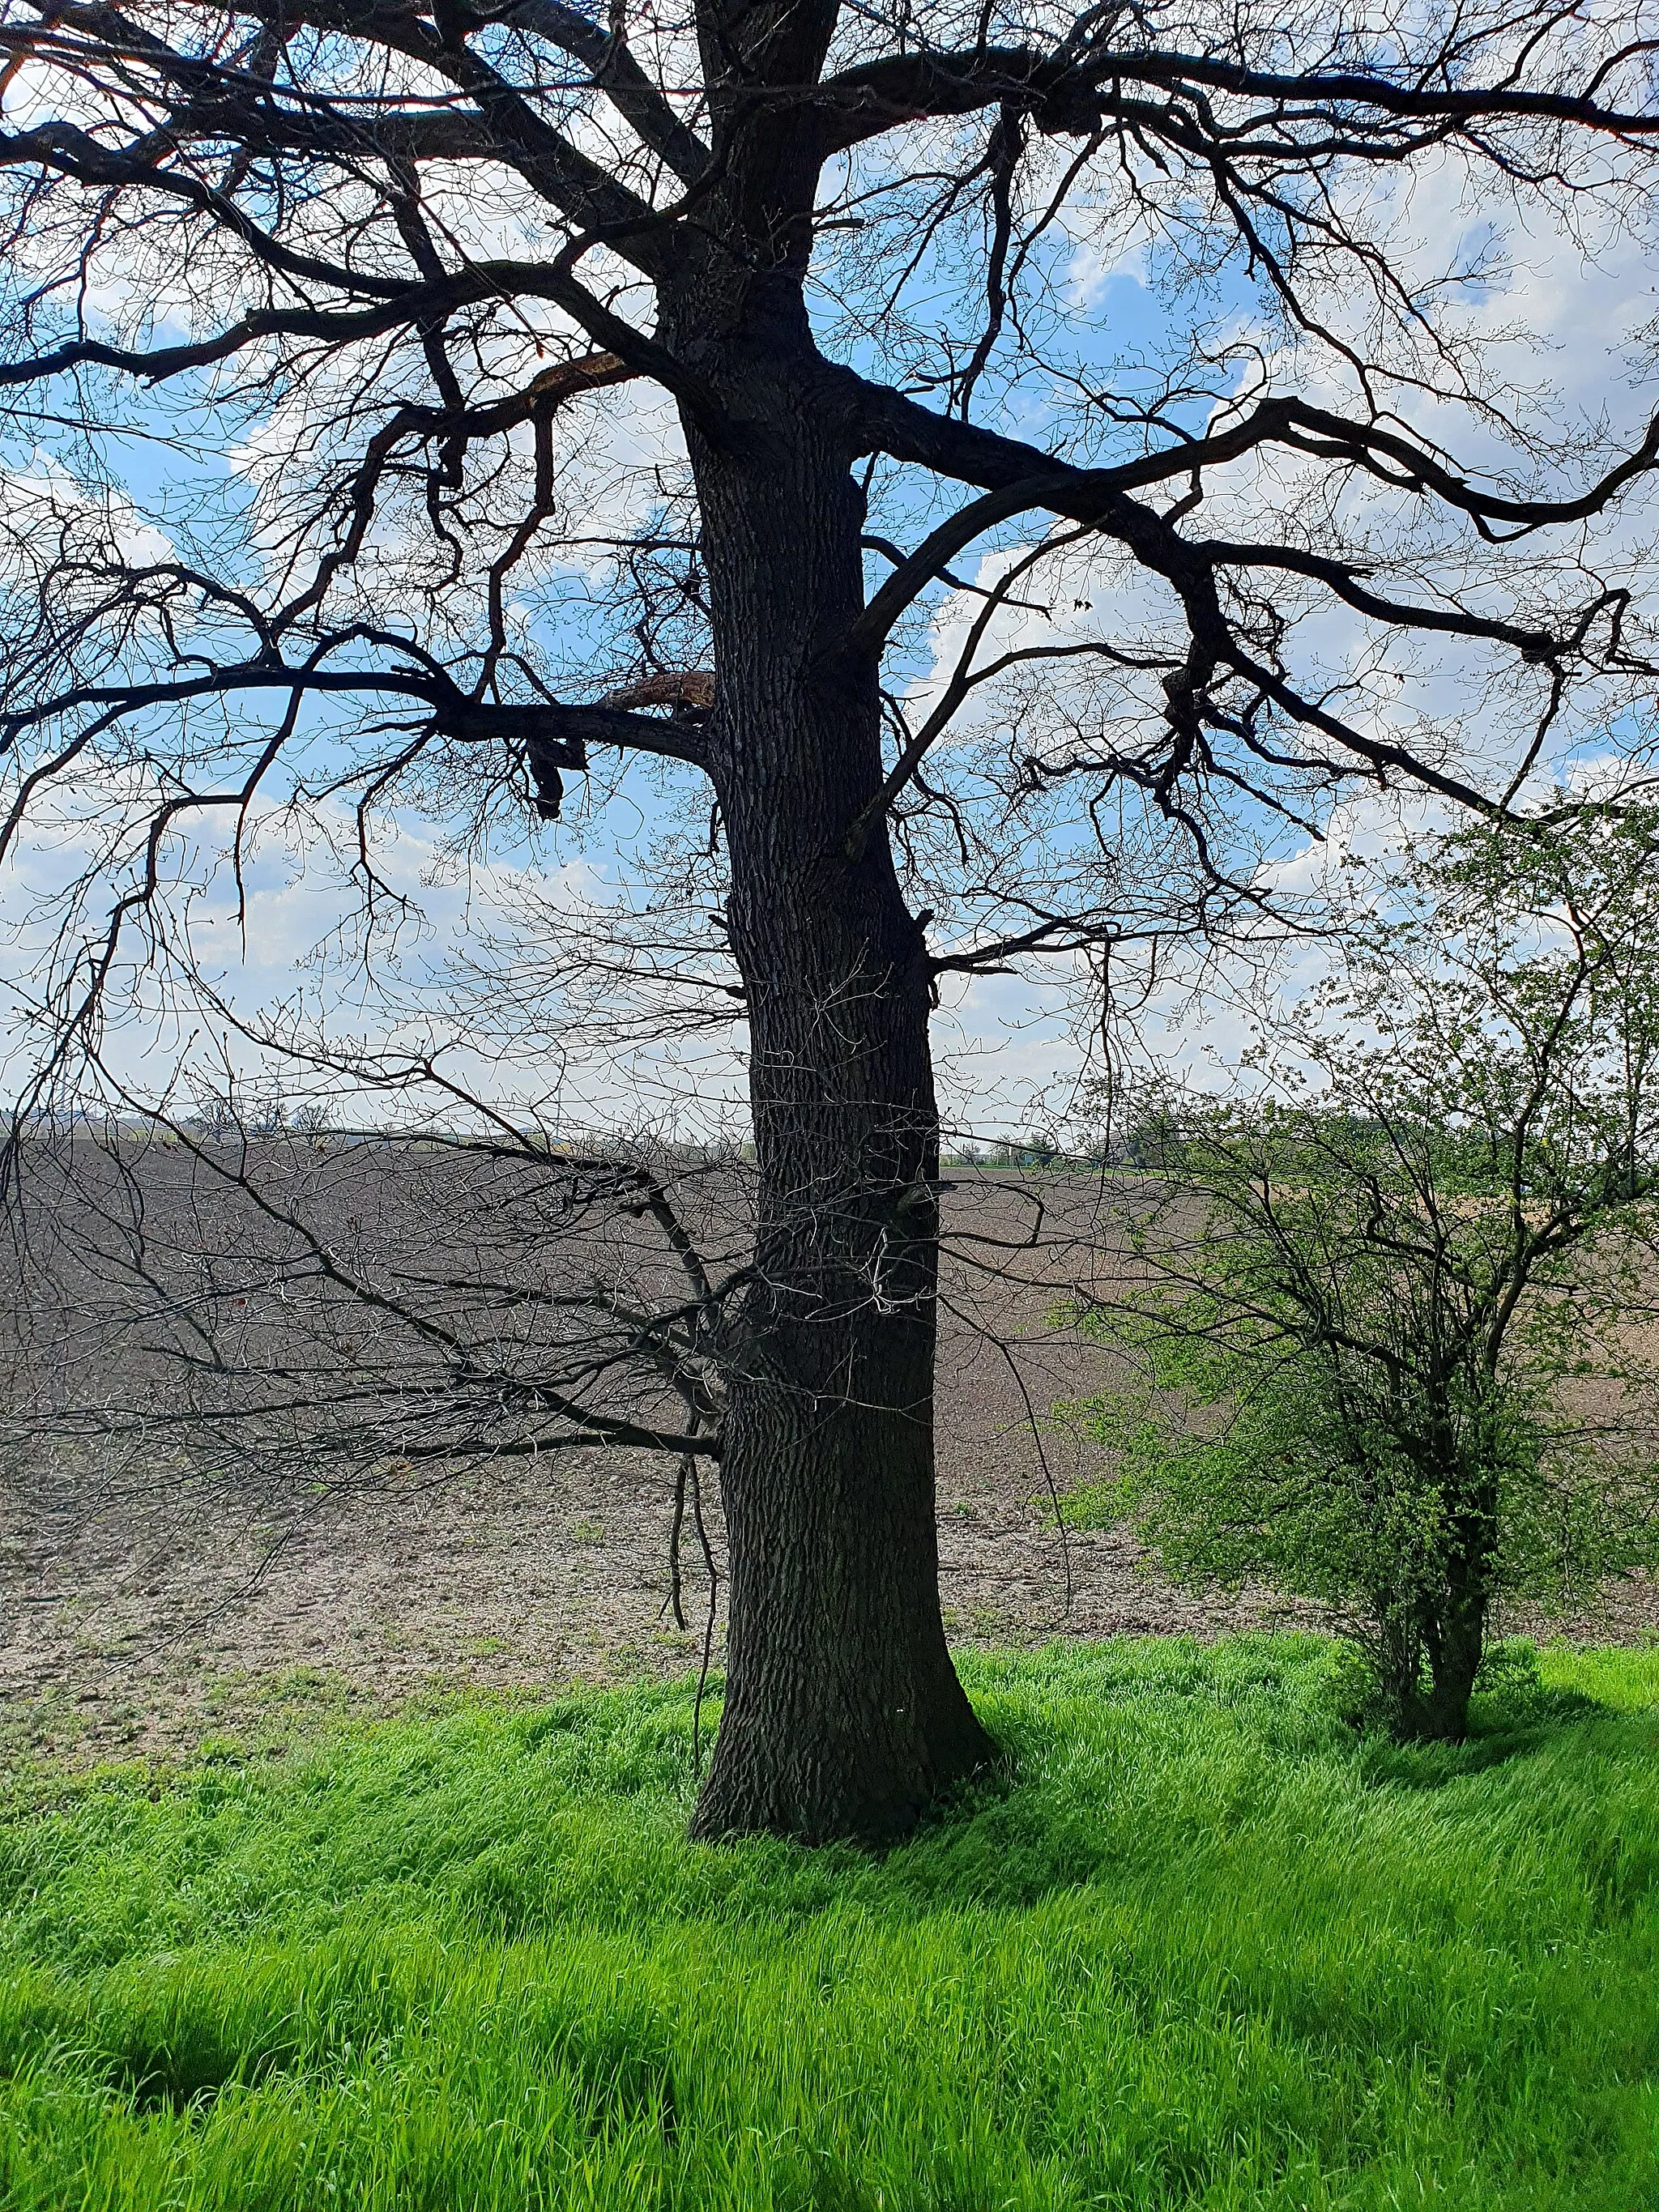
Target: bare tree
[(368, 279)]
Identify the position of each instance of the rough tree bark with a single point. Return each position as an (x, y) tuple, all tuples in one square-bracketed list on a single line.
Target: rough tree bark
[(843, 1713)]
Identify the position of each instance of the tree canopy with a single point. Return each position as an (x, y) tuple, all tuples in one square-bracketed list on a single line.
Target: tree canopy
[(415, 407)]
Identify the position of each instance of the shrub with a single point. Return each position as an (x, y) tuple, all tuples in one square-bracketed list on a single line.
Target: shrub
[(1371, 1297)]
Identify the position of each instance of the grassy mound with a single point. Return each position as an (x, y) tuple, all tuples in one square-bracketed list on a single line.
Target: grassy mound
[(1204, 1946)]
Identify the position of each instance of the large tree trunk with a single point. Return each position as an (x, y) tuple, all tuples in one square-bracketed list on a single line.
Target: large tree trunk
[(844, 1714)]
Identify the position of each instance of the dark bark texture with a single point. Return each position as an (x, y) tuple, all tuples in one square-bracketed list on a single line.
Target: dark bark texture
[(844, 1714)]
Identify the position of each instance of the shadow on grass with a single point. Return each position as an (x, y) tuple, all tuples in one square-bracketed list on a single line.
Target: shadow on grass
[(1197, 1942), (1119, 1762), (1498, 1732)]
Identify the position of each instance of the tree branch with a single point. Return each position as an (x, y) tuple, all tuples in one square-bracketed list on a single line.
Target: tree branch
[(1065, 96)]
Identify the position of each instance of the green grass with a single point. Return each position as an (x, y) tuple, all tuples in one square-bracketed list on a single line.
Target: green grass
[(1204, 1946)]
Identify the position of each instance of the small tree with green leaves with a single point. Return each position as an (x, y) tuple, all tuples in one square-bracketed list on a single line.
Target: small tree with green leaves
[(1378, 1315)]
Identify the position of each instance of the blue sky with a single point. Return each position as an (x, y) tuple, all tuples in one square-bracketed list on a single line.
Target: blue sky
[(1003, 1041)]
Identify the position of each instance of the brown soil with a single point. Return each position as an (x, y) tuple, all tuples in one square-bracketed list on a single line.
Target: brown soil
[(142, 1615)]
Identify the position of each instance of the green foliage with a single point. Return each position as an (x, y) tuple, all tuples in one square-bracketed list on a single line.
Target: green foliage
[(1244, 1453), (1370, 1296), (1203, 1946)]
